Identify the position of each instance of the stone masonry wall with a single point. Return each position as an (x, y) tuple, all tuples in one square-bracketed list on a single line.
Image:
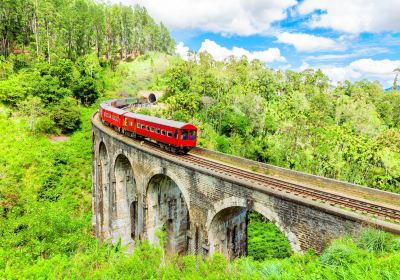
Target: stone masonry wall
[(136, 192)]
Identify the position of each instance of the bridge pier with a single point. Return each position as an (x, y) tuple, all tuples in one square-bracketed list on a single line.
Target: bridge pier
[(167, 214), (139, 192)]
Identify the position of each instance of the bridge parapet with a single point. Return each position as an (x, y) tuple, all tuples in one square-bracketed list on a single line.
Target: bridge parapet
[(138, 190), (330, 185)]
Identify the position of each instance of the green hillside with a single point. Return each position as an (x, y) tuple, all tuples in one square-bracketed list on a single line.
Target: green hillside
[(52, 78), (46, 219)]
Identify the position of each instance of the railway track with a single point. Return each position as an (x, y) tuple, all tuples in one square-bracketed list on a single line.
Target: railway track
[(332, 199), (347, 203), (366, 208)]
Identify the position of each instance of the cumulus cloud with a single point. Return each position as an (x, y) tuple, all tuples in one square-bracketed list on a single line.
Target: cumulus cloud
[(221, 16), (381, 70), (354, 16), (220, 52), (307, 43), (355, 52), (182, 50)]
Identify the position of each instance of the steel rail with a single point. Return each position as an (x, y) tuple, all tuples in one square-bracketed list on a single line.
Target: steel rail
[(335, 200)]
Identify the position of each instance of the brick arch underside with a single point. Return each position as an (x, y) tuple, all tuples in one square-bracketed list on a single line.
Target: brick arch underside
[(227, 226), (167, 209), (103, 197), (123, 202)]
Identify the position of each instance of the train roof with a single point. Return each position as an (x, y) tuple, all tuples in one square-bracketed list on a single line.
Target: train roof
[(110, 108), (170, 123)]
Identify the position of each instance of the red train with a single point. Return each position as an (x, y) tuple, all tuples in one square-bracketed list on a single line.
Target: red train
[(173, 136)]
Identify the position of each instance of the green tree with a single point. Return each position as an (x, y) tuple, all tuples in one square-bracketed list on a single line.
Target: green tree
[(66, 115), (33, 108)]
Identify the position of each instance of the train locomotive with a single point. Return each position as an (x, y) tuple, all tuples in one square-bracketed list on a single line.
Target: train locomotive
[(170, 135)]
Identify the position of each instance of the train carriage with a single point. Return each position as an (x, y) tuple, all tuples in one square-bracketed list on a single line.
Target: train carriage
[(174, 136), (113, 117), (169, 134)]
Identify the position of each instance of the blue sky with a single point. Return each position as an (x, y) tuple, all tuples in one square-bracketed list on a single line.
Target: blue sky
[(352, 40)]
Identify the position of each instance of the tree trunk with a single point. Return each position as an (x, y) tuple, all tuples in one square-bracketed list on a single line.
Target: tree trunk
[(97, 41), (48, 40), (36, 33)]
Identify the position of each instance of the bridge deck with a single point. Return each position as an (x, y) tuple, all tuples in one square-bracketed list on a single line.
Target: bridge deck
[(373, 198), (362, 193)]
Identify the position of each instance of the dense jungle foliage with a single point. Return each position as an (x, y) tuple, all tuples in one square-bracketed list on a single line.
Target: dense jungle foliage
[(54, 29), (60, 58), (46, 225), (265, 241), (45, 206), (292, 119)]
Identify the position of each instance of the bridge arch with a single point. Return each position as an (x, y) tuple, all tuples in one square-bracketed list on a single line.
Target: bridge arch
[(167, 210), (174, 177), (124, 202), (273, 217), (227, 226)]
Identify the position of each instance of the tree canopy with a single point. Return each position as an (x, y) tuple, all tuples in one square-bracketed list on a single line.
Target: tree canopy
[(55, 29), (292, 119)]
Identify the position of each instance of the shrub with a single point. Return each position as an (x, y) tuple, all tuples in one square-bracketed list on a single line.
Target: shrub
[(265, 240), (375, 240), (341, 252), (86, 90), (66, 115), (45, 124), (396, 244)]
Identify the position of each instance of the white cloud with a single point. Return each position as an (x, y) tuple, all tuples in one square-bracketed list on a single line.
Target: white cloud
[(220, 52), (222, 16), (356, 52), (340, 74), (308, 43), (377, 68), (366, 68), (354, 16), (330, 56), (182, 50)]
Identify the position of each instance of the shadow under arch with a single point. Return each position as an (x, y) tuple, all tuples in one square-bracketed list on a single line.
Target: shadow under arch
[(124, 202), (103, 191), (167, 210), (228, 223)]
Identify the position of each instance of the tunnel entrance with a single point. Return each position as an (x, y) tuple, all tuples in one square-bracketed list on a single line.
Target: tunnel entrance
[(236, 232), (124, 202), (152, 98), (167, 215)]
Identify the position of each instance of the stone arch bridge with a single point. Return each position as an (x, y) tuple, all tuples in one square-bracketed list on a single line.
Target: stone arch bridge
[(137, 190)]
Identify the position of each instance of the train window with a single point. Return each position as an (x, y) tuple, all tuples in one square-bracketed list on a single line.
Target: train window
[(176, 134), (192, 135), (157, 130), (147, 127), (163, 132), (184, 135), (169, 133), (143, 126), (138, 125), (152, 129), (131, 123)]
